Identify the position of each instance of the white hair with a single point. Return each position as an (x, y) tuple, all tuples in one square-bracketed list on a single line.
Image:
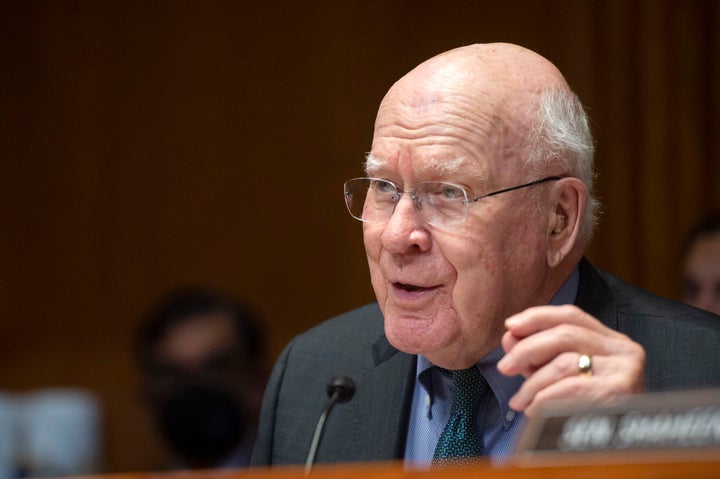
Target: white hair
[(560, 136), (372, 164)]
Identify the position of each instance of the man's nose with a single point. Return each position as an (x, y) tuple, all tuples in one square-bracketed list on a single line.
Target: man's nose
[(406, 209), (405, 228)]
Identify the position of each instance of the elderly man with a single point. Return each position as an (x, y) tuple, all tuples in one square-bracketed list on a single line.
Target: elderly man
[(476, 210)]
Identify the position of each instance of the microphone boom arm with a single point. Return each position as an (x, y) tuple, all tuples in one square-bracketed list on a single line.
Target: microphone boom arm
[(340, 389)]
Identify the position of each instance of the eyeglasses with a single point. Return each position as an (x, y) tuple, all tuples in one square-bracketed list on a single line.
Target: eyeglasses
[(373, 200)]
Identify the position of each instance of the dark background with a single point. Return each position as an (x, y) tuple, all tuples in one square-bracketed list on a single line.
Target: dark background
[(149, 144)]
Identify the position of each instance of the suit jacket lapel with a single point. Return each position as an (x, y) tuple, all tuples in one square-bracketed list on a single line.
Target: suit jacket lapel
[(595, 297), (384, 398)]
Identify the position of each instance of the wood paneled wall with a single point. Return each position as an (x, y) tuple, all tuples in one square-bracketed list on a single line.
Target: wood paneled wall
[(151, 144)]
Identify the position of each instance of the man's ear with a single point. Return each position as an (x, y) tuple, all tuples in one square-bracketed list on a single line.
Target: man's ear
[(568, 202)]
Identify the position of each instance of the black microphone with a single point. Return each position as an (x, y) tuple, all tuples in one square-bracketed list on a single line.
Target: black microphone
[(340, 389)]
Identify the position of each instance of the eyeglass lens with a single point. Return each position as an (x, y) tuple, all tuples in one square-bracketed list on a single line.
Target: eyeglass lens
[(373, 200)]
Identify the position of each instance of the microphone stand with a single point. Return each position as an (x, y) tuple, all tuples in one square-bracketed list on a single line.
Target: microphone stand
[(340, 389)]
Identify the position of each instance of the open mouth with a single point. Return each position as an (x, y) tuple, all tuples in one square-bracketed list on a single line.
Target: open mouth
[(407, 287), (411, 288)]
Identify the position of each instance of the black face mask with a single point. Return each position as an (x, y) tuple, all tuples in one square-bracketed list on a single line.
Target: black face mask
[(202, 424)]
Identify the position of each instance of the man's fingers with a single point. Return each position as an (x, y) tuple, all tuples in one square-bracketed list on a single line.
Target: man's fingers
[(540, 318), (576, 387), (533, 352), (545, 344), (558, 369), (609, 375)]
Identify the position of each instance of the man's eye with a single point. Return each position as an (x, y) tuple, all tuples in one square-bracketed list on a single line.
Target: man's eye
[(450, 192), (384, 186)]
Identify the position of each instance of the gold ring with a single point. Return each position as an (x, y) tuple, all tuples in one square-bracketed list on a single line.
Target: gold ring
[(585, 365)]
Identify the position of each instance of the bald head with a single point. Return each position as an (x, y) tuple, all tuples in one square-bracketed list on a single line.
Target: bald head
[(500, 67), (496, 85)]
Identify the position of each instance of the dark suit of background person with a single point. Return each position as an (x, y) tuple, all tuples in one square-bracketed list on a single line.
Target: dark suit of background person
[(456, 296)]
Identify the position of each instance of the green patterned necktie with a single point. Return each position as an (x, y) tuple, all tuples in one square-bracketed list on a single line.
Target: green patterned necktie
[(460, 441)]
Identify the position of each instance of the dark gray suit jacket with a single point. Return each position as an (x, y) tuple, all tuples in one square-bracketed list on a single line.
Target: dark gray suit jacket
[(682, 345)]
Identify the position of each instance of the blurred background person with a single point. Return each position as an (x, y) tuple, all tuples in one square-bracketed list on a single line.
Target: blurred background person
[(201, 357), (701, 264)]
